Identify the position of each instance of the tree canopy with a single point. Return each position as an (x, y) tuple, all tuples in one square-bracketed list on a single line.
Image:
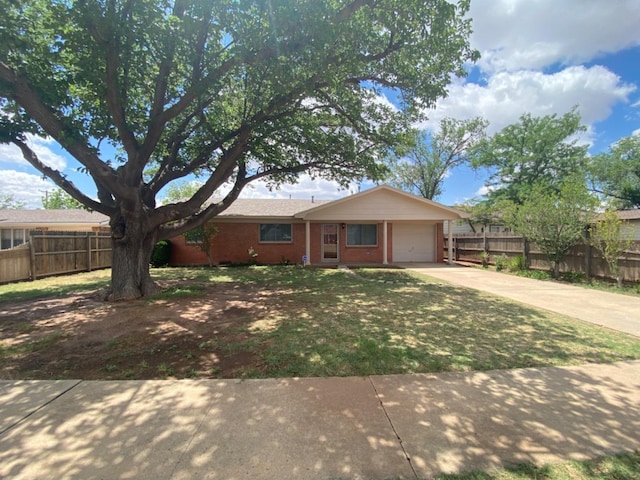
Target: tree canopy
[(9, 202), (535, 151), (428, 160), (143, 93), (58, 199), (616, 173), (554, 220)]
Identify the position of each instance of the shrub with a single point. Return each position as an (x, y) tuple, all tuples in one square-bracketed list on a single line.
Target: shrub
[(517, 264), (484, 258), (573, 277), (535, 274), (161, 254), (502, 262)]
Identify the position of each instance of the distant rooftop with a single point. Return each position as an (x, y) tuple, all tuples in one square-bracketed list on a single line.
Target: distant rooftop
[(47, 217), (269, 207)]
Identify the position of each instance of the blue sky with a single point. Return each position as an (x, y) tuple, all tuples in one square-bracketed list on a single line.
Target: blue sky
[(538, 56)]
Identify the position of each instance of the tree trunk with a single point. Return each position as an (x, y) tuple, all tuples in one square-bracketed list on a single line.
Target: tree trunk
[(132, 248)]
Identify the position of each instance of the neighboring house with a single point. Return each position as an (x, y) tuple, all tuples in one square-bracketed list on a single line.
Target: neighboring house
[(15, 225), (631, 229), (378, 226), (465, 226)]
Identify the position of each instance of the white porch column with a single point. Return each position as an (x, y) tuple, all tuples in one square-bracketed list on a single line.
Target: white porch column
[(307, 241), (385, 260), (449, 242)]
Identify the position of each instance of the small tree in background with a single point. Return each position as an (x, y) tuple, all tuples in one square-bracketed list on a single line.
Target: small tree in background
[(555, 221), (202, 237), (606, 236), (9, 202), (425, 163), (60, 200)]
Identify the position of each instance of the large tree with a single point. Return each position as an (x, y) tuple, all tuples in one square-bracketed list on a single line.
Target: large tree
[(536, 151), (431, 156), (616, 173), (229, 90)]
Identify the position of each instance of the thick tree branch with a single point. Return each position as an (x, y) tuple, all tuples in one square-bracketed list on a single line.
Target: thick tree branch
[(27, 97), (59, 179)]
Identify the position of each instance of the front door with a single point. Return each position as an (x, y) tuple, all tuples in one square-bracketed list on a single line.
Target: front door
[(330, 242)]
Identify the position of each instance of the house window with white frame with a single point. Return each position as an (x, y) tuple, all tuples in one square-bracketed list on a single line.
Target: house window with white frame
[(362, 235)]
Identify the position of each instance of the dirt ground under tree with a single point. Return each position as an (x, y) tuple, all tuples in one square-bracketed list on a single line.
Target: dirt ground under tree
[(81, 336)]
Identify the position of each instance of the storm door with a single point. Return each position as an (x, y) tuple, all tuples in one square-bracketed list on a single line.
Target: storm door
[(330, 242)]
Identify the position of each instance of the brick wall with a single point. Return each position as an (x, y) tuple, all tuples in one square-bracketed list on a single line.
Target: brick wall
[(233, 240), (231, 245)]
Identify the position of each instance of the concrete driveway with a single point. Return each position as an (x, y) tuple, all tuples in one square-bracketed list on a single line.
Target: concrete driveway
[(616, 311)]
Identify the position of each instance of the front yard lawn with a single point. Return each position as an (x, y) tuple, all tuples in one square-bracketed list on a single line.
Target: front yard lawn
[(283, 322)]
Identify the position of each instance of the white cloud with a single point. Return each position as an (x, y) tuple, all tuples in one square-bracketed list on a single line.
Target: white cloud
[(507, 96), (25, 187), (11, 154), (533, 34), (305, 189)]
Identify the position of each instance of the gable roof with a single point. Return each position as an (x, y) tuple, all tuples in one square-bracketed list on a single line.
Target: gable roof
[(52, 217), (269, 207), (385, 202), (625, 215)]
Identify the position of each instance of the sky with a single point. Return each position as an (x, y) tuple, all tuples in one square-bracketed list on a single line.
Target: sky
[(538, 56)]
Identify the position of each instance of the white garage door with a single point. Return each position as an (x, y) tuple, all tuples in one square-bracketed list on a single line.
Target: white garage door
[(413, 242)]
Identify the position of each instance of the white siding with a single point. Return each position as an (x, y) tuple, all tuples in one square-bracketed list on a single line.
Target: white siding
[(380, 205), (414, 242)]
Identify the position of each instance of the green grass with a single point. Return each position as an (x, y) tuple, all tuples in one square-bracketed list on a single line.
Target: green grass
[(328, 322), (331, 323), (614, 467)]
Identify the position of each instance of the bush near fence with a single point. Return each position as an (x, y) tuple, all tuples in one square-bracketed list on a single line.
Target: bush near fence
[(583, 258), (49, 253)]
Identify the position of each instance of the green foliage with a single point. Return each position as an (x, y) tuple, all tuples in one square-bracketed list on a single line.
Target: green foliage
[(58, 199), (607, 236), (161, 254), (229, 92), (517, 264), (484, 258), (535, 151), (9, 202), (616, 174), (202, 237), (181, 191), (554, 221), (424, 165), (502, 262)]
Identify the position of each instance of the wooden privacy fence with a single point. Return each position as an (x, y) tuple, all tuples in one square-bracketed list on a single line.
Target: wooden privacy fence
[(55, 253), (583, 258)]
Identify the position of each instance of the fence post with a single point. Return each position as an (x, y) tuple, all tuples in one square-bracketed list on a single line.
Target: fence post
[(88, 238), (525, 252), (32, 258), (587, 255)]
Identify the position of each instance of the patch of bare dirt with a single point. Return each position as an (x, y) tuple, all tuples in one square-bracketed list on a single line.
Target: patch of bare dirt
[(82, 337)]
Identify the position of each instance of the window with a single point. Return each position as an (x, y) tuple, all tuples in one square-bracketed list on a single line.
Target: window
[(362, 235), (18, 237), (275, 232), (5, 235)]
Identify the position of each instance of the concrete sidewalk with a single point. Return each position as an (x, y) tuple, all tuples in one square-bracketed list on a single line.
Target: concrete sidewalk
[(403, 426), (616, 311)]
